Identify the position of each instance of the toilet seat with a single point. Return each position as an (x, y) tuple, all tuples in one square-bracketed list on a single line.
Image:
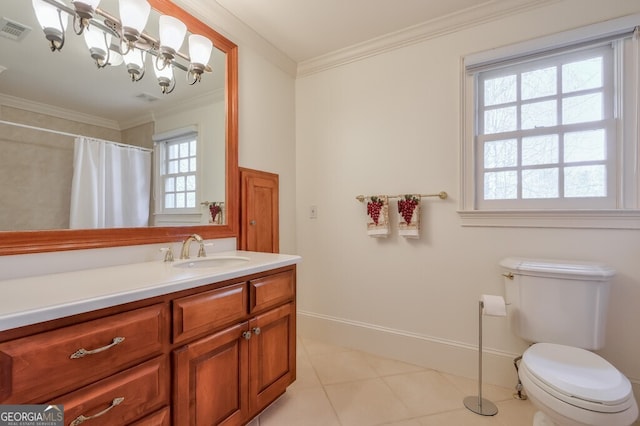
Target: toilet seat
[(577, 377)]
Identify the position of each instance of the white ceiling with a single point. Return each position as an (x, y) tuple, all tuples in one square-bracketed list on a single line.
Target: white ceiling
[(305, 29)]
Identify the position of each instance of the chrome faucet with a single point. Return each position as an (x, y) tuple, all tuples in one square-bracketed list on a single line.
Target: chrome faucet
[(186, 244)]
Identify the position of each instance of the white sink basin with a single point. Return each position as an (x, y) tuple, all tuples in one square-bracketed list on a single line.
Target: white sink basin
[(211, 262)]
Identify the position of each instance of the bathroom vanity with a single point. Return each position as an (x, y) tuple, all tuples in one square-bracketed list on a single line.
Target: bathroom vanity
[(153, 343)]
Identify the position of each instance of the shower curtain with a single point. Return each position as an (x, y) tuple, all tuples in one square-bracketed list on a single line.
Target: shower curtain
[(110, 186)]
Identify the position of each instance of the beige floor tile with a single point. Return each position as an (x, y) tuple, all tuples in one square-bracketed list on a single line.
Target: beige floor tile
[(462, 417), (515, 413), (388, 367), (410, 422), (305, 373), (366, 402), (470, 388), (338, 386), (425, 392), (315, 347), (342, 367), (300, 407)]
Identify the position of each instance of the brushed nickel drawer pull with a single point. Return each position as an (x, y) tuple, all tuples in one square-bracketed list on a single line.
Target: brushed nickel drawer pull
[(82, 418), (83, 352)]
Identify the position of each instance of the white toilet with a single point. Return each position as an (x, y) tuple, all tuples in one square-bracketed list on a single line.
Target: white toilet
[(561, 307)]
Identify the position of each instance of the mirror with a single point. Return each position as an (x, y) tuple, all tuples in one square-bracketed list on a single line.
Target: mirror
[(39, 240)]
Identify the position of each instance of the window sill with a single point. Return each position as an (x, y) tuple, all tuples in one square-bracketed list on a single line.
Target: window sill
[(178, 219), (589, 219)]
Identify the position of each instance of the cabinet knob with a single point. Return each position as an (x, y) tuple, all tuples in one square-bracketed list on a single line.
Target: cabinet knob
[(256, 330), (246, 335), (252, 222)]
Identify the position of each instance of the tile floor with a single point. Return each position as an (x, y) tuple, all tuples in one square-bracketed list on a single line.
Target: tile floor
[(343, 387)]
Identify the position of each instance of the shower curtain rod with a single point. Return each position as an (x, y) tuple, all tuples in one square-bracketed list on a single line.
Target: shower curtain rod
[(58, 132)]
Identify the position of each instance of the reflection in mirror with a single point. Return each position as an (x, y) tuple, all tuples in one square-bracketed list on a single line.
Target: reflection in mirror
[(50, 99), (112, 122)]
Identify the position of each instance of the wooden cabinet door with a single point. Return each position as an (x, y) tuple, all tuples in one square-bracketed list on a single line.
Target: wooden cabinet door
[(259, 211), (210, 380), (272, 355)]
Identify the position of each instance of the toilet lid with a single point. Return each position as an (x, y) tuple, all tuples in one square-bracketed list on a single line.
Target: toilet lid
[(577, 373)]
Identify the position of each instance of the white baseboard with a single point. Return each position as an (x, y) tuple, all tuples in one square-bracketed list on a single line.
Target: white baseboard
[(443, 355)]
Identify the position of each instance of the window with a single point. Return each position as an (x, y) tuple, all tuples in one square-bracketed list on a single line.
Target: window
[(179, 174), (546, 132), (176, 185), (552, 128)]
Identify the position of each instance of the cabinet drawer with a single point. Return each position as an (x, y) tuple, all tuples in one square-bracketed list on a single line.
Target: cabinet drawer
[(159, 418), (203, 312), (122, 398), (44, 365), (271, 290)]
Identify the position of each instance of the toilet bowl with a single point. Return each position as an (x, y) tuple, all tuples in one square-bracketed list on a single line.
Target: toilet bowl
[(561, 307), (575, 387)]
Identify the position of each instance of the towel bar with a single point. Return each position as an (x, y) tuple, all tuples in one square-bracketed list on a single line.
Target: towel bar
[(442, 195)]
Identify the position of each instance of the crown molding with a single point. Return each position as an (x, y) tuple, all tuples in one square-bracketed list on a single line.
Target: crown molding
[(467, 18), (220, 19), (54, 111)]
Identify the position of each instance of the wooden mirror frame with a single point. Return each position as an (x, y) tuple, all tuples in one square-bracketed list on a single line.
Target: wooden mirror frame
[(24, 242)]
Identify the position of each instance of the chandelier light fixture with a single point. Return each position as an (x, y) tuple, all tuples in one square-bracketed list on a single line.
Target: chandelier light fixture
[(130, 43), (53, 22)]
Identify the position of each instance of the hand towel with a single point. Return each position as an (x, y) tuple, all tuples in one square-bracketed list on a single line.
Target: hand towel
[(215, 209), (409, 210), (378, 216)]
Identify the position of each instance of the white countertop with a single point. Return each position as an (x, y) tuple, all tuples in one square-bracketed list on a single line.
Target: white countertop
[(31, 300)]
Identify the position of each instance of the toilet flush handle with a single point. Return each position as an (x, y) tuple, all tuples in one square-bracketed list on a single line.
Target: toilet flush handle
[(508, 275)]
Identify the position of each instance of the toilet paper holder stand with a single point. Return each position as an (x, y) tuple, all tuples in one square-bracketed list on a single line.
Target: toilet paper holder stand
[(478, 404)]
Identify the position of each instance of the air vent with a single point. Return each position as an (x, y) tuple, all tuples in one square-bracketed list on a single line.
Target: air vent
[(13, 30), (147, 97)]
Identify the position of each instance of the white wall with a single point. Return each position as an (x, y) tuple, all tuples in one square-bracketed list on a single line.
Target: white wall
[(267, 131), (390, 124), (266, 107)]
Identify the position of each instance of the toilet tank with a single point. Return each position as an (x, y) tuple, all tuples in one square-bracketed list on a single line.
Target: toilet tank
[(562, 302)]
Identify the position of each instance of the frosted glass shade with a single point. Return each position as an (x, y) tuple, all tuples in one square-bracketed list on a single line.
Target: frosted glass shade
[(134, 57), (134, 13), (166, 72), (48, 17), (115, 58), (172, 32), (199, 49), (95, 39)]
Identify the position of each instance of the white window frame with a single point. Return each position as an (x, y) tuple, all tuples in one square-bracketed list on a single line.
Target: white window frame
[(623, 211), (182, 215)]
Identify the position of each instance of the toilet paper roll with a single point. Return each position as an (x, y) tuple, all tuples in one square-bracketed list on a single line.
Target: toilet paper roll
[(493, 305)]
